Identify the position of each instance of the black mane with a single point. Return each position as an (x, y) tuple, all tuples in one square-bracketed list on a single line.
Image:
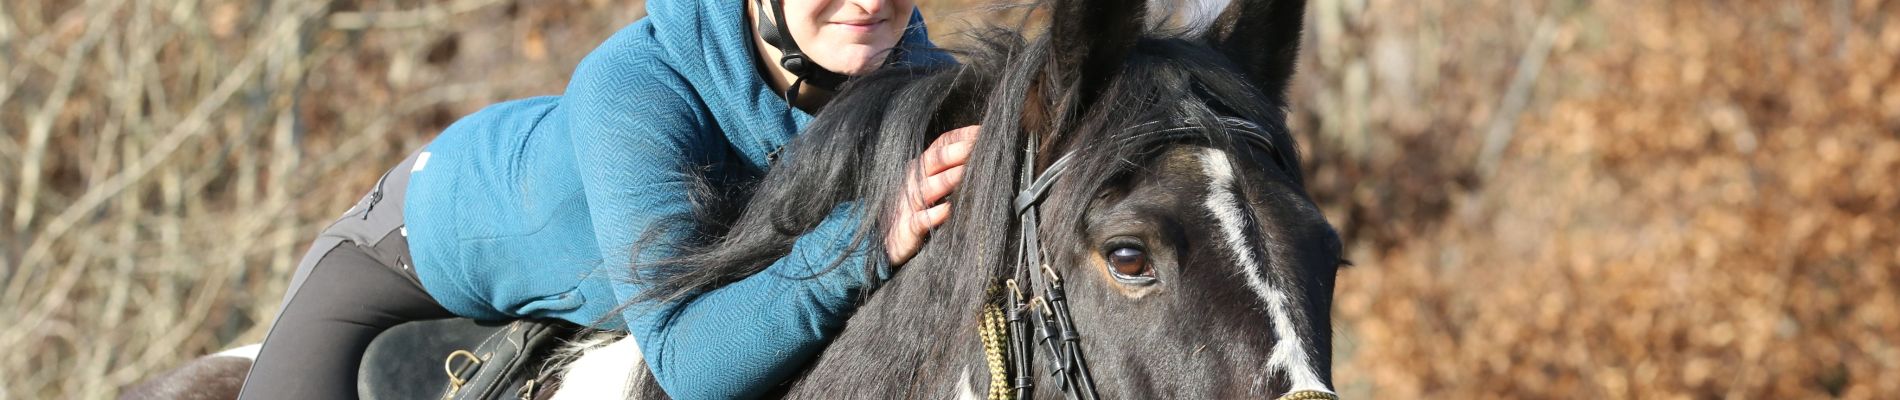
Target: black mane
[(857, 149)]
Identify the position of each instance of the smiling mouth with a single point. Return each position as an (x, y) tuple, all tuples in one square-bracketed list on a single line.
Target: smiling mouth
[(861, 23)]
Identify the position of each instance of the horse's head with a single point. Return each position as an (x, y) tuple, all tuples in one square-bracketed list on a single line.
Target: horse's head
[(1201, 273), (1195, 263)]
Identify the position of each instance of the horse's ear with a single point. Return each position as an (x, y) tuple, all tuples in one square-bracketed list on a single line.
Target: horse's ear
[(1089, 39), (1263, 38)]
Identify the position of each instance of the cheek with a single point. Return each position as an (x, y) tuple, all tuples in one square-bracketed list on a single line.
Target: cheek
[(805, 17)]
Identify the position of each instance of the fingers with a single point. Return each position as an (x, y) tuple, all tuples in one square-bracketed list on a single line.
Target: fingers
[(935, 174), (935, 187), (963, 134), (949, 150), (930, 219), (934, 180), (903, 244), (921, 223)]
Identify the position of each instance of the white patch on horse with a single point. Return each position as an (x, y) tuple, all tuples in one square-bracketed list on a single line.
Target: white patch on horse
[(964, 389), (249, 352), (1289, 353), (602, 371)]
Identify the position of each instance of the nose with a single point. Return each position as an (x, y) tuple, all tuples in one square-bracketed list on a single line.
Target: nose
[(872, 7)]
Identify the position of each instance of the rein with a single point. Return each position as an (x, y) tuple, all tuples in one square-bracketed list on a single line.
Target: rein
[(1037, 317)]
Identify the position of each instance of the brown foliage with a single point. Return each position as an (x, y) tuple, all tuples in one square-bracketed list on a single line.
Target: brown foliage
[(1700, 202)]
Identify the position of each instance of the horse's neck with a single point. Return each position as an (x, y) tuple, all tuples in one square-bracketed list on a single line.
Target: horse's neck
[(914, 338)]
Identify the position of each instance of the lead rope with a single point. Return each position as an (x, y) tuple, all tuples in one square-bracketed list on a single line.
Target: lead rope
[(1309, 395), (994, 331)]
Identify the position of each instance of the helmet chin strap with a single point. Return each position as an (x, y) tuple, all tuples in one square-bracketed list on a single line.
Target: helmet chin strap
[(793, 60)]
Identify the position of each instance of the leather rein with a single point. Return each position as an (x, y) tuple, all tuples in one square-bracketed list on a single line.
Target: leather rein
[(1039, 318)]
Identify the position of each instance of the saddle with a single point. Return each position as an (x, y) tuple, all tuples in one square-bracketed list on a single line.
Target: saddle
[(463, 359)]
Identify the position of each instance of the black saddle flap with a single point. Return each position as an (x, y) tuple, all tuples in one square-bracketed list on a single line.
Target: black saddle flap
[(458, 359)]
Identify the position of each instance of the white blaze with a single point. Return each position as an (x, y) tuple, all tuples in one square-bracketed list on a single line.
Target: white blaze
[(1289, 353)]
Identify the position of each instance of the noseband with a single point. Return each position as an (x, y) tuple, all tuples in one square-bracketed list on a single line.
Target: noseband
[(1042, 321)]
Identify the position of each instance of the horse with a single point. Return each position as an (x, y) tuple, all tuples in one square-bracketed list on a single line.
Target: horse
[(1133, 222)]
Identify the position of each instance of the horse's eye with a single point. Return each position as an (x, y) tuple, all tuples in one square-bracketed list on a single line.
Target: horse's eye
[(1130, 265)]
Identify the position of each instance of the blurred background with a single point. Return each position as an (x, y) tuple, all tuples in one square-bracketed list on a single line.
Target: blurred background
[(1545, 199)]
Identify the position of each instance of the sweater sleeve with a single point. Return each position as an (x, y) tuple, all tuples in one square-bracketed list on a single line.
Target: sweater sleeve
[(636, 137)]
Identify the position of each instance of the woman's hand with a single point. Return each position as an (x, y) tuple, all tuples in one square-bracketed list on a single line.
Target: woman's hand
[(918, 211)]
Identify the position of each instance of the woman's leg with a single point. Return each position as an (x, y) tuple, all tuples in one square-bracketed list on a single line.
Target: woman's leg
[(345, 299), (356, 282)]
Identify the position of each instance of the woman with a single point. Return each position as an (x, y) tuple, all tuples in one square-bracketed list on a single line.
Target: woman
[(532, 208)]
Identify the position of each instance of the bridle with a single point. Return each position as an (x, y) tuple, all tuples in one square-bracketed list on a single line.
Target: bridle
[(1039, 318)]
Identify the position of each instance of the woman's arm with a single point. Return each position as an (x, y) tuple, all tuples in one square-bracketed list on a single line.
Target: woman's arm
[(635, 138), (749, 330)]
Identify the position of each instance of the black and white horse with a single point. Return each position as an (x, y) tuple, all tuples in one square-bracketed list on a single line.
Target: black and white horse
[(1195, 264)]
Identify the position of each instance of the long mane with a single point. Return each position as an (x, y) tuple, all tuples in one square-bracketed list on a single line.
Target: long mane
[(856, 151)]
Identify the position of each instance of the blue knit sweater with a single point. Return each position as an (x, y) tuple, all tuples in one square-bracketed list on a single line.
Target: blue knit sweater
[(530, 208)]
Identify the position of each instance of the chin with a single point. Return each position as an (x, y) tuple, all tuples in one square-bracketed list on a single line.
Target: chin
[(852, 59)]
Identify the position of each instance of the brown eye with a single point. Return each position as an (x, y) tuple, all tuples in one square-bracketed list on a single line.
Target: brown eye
[(1130, 265)]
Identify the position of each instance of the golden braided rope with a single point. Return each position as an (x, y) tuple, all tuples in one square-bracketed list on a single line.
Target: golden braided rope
[(994, 332), (1309, 395)]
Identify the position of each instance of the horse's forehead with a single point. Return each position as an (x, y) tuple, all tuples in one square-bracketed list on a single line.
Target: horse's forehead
[(1174, 184), (1182, 171), (1192, 173)]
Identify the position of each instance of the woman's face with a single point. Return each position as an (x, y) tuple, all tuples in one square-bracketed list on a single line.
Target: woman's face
[(849, 37)]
